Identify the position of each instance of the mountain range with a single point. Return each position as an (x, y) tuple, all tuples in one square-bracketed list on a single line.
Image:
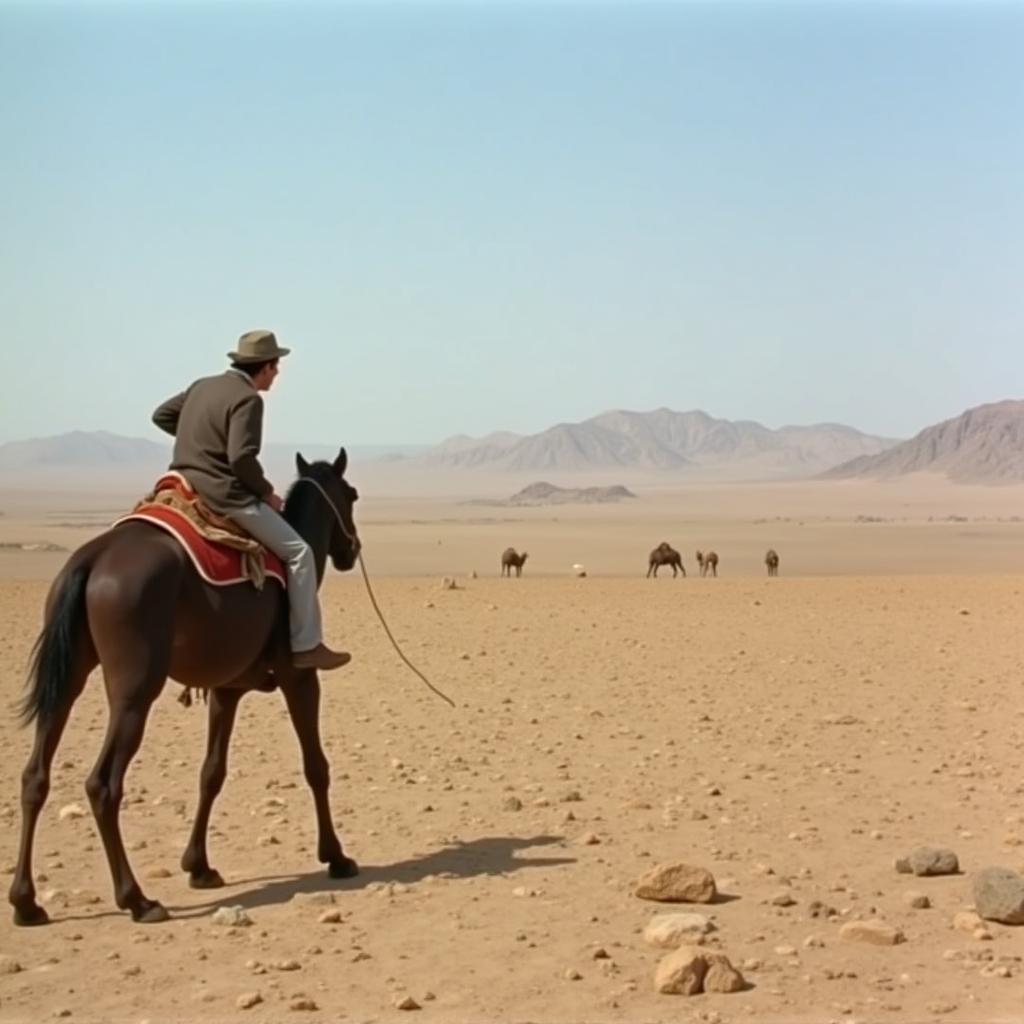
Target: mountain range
[(984, 444), (690, 442)]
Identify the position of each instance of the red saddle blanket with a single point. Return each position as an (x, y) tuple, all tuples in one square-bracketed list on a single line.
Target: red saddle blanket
[(215, 562)]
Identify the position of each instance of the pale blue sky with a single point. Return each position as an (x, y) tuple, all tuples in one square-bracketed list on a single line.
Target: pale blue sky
[(500, 216)]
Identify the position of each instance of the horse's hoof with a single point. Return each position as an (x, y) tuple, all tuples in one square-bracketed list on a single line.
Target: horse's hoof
[(150, 912), (31, 917), (208, 879), (343, 867)]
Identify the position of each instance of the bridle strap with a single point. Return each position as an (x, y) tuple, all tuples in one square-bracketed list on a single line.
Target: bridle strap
[(334, 508)]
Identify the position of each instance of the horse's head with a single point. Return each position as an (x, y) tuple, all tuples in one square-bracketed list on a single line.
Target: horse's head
[(336, 502)]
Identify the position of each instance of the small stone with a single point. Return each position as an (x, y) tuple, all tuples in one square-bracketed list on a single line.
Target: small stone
[(573, 975), (247, 1000), (406, 1003), (875, 932), (231, 917), (303, 1003), (931, 860), (512, 803), (332, 916), (157, 872), (917, 900), (287, 965), (589, 839), (677, 883), (966, 921), (783, 899), (672, 930), (72, 811)]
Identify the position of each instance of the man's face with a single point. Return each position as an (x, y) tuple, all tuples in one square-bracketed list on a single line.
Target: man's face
[(266, 376)]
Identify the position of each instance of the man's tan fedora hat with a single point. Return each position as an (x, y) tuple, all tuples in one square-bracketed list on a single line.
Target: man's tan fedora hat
[(257, 347)]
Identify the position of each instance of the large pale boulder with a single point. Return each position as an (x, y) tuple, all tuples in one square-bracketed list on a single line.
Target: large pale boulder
[(677, 883)]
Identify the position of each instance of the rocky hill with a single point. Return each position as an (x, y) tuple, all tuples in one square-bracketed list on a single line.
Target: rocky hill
[(982, 445)]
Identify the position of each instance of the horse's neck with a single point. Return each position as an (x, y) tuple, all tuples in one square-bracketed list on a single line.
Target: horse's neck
[(313, 529)]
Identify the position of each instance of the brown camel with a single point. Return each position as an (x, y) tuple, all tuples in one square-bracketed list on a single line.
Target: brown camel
[(665, 554), (706, 562), (771, 559), (131, 602), (510, 560)]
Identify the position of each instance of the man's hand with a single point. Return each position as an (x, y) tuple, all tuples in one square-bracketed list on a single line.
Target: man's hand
[(274, 501)]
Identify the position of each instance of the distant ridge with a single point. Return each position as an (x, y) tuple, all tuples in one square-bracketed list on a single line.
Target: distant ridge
[(692, 442), (982, 445), (542, 493)]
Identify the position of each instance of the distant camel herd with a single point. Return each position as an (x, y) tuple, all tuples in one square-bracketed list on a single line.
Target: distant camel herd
[(663, 554)]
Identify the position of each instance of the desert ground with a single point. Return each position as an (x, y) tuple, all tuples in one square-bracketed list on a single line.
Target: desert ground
[(792, 736)]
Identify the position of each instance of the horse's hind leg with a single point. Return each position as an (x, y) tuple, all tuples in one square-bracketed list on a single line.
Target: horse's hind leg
[(223, 707), (35, 788), (129, 708), (302, 695)]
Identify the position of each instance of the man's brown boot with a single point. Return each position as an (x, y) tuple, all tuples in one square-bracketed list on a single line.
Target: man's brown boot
[(321, 657)]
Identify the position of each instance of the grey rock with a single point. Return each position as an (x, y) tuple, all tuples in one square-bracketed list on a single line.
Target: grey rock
[(999, 895)]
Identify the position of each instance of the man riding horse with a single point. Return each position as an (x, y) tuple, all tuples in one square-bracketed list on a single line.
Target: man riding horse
[(217, 426)]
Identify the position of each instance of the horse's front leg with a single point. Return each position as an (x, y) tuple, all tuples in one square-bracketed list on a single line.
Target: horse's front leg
[(223, 705), (302, 695)]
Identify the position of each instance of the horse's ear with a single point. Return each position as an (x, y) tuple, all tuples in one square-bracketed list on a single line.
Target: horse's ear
[(341, 462), (301, 464)]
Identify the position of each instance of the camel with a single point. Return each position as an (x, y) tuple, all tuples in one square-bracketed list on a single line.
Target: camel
[(706, 562), (510, 560), (771, 559), (665, 554)]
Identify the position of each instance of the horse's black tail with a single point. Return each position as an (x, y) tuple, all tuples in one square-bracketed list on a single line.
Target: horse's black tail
[(49, 676)]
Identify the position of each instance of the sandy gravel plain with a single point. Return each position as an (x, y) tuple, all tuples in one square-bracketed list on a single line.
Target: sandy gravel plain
[(792, 736)]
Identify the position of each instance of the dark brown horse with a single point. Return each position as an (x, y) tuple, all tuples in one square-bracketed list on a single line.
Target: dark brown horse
[(131, 602), (665, 554), (510, 560), (771, 559)]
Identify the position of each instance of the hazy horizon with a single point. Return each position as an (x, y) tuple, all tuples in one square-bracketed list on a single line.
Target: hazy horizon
[(474, 217)]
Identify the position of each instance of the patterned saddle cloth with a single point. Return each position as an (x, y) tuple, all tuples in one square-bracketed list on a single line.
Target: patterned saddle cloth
[(221, 552)]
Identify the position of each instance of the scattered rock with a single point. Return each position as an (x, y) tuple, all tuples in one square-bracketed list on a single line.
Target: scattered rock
[(71, 811), (967, 921), (231, 917), (999, 895), (247, 1000), (917, 900), (691, 970), (929, 860), (332, 916), (677, 883), (8, 965), (406, 1003), (670, 931), (721, 975), (511, 803), (875, 932)]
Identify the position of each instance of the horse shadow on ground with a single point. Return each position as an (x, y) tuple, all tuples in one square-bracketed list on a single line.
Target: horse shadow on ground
[(492, 855)]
